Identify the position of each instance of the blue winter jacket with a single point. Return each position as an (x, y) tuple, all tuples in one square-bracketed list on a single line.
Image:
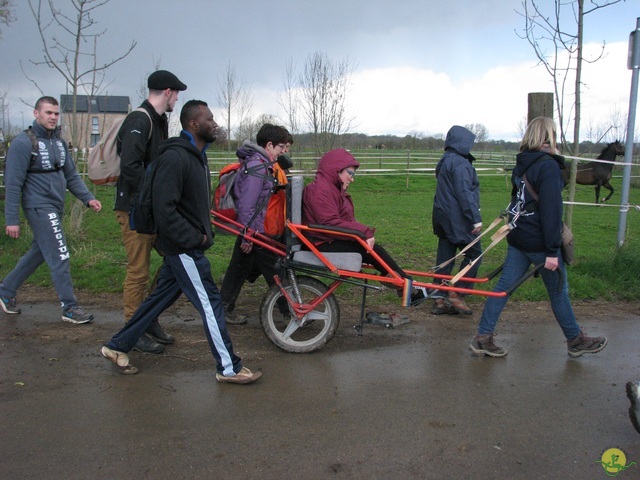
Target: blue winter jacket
[(541, 229), (456, 204)]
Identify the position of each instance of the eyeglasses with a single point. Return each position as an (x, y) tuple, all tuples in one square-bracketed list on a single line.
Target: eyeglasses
[(350, 172), (282, 146)]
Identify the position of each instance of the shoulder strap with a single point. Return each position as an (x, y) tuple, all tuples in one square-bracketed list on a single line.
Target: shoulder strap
[(141, 109), (34, 144)]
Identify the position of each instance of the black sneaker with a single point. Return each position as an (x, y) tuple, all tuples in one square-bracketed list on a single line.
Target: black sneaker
[(583, 344), (146, 344), (232, 318), (76, 315), (483, 345), (9, 305), (156, 332)]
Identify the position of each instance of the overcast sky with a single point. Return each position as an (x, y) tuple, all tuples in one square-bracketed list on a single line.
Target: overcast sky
[(420, 65)]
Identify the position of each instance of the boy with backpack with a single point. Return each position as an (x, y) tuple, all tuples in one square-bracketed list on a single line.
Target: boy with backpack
[(252, 193)]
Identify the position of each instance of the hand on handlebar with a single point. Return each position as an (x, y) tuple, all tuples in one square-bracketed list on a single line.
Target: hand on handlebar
[(371, 242)]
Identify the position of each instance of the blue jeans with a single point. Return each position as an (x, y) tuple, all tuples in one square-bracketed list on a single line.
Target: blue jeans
[(515, 266)]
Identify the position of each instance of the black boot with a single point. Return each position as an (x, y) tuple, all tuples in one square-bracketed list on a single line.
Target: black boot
[(156, 332), (147, 345)]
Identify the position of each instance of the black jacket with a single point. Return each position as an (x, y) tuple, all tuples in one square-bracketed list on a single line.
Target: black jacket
[(539, 231), (136, 153), (181, 197)]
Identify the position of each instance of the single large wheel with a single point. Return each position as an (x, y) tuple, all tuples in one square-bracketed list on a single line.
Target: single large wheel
[(311, 332)]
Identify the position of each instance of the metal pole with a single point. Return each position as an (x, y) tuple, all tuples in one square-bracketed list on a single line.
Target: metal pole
[(633, 64)]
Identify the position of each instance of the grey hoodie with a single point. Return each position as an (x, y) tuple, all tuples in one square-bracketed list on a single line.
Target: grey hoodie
[(43, 182)]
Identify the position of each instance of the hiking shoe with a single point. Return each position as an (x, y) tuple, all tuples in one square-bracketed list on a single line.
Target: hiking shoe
[(156, 332), (76, 315), (583, 344), (457, 302), (633, 393), (442, 307), (146, 344), (483, 344), (9, 305), (244, 376), (120, 360), (232, 318)]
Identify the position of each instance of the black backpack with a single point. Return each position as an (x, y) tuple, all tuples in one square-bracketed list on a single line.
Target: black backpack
[(141, 214)]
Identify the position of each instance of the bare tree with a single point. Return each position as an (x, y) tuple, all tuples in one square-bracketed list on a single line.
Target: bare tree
[(78, 63), (235, 98), (248, 129), (69, 47), (558, 47), (479, 130), (6, 15), (324, 85), (288, 99)]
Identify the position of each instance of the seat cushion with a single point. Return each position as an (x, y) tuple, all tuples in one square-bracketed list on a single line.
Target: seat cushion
[(344, 261)]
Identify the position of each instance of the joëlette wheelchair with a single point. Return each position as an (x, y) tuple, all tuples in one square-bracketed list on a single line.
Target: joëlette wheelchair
[(314, 313)]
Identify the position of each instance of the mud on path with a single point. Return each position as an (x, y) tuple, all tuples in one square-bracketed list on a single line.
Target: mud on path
[(40, 311)]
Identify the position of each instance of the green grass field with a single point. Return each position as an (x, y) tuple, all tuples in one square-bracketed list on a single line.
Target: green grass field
[(400, 208)]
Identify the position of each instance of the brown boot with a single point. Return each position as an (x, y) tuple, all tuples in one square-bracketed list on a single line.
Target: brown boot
[(441, 307), (457, 302)]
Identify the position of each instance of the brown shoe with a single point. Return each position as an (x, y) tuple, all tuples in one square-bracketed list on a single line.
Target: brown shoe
[(459, 304), (442, 307), (242, 377)]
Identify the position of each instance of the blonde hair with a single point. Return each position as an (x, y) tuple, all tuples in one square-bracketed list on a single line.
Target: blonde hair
[(540, 131)]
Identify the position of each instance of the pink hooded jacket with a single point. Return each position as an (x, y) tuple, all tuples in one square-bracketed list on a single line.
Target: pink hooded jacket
[(324, 200)]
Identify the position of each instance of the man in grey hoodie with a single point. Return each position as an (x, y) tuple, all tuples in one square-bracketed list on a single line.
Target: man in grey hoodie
[(38, 172)]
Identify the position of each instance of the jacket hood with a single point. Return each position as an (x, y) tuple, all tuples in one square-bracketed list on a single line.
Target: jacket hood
[(525, 159), (181, 142), (333, 162), (248, 148), (460, 139)]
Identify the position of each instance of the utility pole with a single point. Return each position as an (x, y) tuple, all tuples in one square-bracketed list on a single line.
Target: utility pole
[(633, 63)]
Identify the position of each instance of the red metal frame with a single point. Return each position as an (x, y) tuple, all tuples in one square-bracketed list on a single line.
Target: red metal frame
[(301, 231)]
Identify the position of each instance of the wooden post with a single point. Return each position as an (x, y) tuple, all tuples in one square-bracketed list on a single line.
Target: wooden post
[(540, 105)]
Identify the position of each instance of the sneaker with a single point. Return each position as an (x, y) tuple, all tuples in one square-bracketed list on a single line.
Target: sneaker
[(633, 393), (9, 305), (242, 377), (483, 344), (442, 307), (76, 315), (583, 344), (457, 302), (232, 318), (120, 360)]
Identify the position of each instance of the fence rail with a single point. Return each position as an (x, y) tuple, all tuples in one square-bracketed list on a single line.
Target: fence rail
[(385, 163)]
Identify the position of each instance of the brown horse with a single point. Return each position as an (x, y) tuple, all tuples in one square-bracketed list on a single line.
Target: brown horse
[(596, 173)]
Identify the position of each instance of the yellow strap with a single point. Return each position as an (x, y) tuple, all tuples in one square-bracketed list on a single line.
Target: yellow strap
[(496, 238), (495, 223)]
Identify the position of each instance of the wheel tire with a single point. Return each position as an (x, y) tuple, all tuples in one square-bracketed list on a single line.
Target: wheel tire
[(314, 333)]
